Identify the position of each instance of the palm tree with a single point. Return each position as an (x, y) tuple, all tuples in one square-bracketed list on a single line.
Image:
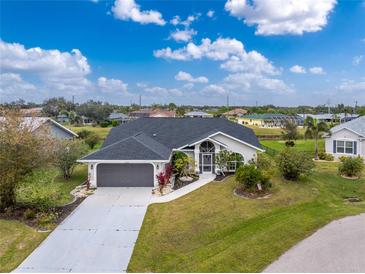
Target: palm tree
[(314, 130)]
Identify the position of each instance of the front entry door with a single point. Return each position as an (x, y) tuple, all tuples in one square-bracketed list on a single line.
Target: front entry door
[(207, 163)]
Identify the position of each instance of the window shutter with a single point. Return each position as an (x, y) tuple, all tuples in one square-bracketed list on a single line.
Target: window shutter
[(334, 146), (355, 148)]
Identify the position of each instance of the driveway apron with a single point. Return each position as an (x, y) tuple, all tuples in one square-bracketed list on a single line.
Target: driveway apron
[(99, 236)]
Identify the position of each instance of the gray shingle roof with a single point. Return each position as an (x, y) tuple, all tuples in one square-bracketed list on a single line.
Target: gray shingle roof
[(148, 138), (357, 125)]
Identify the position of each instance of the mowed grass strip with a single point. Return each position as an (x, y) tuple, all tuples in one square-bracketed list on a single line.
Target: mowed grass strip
[(211, 230), (17, 241), (102, 132), (301, 145)]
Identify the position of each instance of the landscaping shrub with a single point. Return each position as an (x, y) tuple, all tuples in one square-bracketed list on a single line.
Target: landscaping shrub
[(289, 143), (92, 140), (83, 134), (251, 178), (104, 124), (115, 123), (293, 163), (351, 166), (325, 156), (46, 219), (29, 214)]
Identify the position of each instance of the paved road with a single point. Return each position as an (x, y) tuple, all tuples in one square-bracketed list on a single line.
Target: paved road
[(337, 247), (98, 236)]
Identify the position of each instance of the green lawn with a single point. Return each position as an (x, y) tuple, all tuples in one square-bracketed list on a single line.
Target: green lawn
[(102, 132), (302, 145), (211, 230), (271, 131), (18, 240)]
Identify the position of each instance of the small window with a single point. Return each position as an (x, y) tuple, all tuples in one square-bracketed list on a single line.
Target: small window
[(349, 147), (340, 147)]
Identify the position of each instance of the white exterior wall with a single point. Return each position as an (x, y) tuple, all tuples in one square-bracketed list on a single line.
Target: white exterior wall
[(246, 151), (344, 135)]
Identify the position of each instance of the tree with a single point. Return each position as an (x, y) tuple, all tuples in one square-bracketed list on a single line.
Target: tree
[(67, 153), (180, 111), (314, 129), (222, 159), (92, 140), (290, 132), (172, 106), (21, 152)]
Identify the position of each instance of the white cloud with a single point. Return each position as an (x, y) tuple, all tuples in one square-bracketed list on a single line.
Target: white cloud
[(161, 91), (317, 70), (252, 82), (184, 76), (298, 69), (274, 17), (351, 85), (214, 90), (176, 20), (188, 86), (210, 13), (357, 60), (221, 49), (112, 85), (129, 10), (183, 35), (13, 84)]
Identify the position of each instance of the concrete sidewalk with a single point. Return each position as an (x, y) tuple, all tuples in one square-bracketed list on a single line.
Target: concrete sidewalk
[(337, 247)]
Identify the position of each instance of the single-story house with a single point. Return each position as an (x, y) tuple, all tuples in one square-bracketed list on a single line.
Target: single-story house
[(55, 129), (269, 120), (198, 114), (63, 118), (331, 117), (87, 120), (347, 139), (121, 118), (234, 113), (134, 153)]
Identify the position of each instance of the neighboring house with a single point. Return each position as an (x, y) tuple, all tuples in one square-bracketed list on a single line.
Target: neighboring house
[(31, 112), (55, 129), (234, 113), (87, 121), (198, 114), (269, 120), (134, 153), (147, 112), (63, 118), (330, 117), (347, 139), (121, 118)]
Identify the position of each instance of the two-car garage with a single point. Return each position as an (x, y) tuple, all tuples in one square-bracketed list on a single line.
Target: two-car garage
[(125, 175)]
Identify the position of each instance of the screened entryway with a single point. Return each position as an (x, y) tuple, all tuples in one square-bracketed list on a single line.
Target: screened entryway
[(206, 157)]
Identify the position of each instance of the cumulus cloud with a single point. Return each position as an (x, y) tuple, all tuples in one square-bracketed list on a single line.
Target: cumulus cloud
[(162, 91), (276, 17), (351, 85), (176, 20), (13, 84), (210, 13), (357, 60), (129, 10), (298, 69), (112, 85), (183, 35), (214, 90), (185, 76), (317, 70)]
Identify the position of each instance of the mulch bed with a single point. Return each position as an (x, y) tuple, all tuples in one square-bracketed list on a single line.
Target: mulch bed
[(17, 213), (179, 184), (241, 192)]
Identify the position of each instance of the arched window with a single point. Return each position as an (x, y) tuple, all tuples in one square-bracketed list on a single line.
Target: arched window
[(236, 161), (207, 147)]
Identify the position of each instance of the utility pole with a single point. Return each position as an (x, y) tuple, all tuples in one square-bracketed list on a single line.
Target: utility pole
[(227, 101), (328, 105), (355, 107), (140, 101)]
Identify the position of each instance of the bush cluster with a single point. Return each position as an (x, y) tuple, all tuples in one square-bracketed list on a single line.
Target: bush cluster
[(293, 163), (325, 156), (351, 166)]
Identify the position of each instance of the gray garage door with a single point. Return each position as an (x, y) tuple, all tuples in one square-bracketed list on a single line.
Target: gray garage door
[(124, 175)]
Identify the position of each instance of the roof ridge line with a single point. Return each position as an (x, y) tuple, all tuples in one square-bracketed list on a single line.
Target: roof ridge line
[(150, 147)]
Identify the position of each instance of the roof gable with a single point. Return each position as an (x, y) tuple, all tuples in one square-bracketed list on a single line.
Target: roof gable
[(357, 126)]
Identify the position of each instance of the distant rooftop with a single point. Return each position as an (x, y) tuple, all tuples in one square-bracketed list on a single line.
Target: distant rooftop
[(270, 116), (197, 114)]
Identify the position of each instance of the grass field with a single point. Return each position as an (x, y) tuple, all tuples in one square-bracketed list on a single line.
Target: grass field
[(271, 131), (211, 230), (102, 132), (301, 145), (18, 240)]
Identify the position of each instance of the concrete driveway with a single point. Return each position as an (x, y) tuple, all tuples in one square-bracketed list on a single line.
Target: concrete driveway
[(98, 236), (337, 247)]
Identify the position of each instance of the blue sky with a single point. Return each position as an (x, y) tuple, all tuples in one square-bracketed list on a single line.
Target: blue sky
[(264, 51)]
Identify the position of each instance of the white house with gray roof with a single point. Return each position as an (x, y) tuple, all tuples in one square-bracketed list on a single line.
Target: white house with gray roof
[(134, 153), (347, 139)]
